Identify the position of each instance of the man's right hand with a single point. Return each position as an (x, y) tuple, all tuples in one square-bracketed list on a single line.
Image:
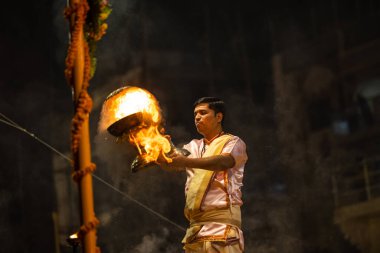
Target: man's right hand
[(173, 164)]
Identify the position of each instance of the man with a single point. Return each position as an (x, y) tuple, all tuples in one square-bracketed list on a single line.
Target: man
[(214, 177)]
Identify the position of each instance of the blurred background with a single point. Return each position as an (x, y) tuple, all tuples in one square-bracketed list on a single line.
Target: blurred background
[(302, 85)]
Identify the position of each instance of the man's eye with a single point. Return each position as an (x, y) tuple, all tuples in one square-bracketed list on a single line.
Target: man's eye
[(200, 113)]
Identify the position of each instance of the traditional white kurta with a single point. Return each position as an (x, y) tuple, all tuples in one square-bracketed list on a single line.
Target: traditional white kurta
[(224, 190)]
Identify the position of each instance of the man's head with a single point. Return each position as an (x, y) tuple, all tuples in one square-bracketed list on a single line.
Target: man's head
[(209, 114)]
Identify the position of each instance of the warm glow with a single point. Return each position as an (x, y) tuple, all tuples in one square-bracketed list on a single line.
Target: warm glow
[(74, 236), (126, 101), (152, 141), (147, 138)]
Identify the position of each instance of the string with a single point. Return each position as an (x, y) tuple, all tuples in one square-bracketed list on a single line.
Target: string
[(13, 124)]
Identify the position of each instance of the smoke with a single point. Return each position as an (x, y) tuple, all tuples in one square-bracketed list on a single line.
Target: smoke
[(150, 187), (114, 156), (106, 217), (155, 243)]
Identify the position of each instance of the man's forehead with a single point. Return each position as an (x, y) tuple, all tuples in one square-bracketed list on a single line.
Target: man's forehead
[(201, 106)]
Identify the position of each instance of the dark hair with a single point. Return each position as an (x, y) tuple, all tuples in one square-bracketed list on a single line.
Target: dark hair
[(215, 104)]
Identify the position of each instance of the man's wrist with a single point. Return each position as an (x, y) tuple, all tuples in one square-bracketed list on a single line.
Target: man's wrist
[(179, 169)]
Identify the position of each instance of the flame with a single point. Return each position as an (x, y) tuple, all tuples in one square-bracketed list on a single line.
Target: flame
[(126, 101), (152, 141), (74, 236)]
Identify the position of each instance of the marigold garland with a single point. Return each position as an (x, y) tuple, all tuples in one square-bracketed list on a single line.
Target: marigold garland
[(84, 229), (78, 174), (93, 31), (79, 10)]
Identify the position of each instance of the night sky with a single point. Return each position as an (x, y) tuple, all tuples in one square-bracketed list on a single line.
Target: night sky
[(179, 51)]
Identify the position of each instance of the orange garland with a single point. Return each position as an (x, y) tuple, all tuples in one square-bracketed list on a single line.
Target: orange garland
[(80, 11), (84, 229), (78, 174), (84, 102)]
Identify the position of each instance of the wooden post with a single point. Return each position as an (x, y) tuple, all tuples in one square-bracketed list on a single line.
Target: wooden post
[(82, 158)]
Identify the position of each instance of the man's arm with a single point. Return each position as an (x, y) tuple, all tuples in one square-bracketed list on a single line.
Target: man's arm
[(214, 163)]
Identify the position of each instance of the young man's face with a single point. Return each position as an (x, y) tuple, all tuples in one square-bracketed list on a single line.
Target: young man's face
[(206, 120)]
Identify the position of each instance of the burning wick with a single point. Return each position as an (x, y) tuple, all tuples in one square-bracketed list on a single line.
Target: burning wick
[(133, 114), (74, 241), (74, 236)]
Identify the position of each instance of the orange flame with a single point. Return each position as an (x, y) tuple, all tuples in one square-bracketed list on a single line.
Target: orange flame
[(147, 137), (74, 236)]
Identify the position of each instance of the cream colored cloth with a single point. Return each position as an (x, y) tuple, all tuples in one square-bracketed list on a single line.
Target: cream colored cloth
[(212, 247), (231, 245), (223, 192), (226, 185), (200, 183)]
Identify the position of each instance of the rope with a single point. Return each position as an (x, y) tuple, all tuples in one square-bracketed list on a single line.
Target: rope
[(11, 123), (140, 204)]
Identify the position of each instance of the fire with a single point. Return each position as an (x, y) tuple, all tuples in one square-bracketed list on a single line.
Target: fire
[(152, 141), (74, 236), (146, 136), (127, 101)]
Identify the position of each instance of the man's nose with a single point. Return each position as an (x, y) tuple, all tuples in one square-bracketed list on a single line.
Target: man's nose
[(197, 117)]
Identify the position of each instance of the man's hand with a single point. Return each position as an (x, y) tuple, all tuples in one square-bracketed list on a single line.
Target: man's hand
[(177, 162)]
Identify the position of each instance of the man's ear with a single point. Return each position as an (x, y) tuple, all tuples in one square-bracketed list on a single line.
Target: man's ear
[(219, 117)]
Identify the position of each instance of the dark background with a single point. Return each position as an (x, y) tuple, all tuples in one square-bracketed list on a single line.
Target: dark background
[(289, 71)]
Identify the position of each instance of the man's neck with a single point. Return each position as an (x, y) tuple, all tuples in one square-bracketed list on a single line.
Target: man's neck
[(212, 136)]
